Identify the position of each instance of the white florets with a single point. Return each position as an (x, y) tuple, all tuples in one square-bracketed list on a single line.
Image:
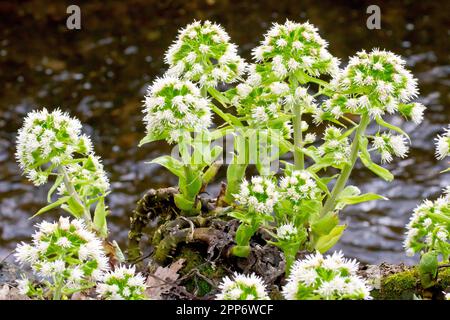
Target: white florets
[(286, 232), (122, 284), (387, 85), (202, 53), (329, 278), (335, 146), (426, 229), (48, 138), (298, 186), (388, 145), (259, 196), (443, 145), (66, 252), (172, 105), (242, 287), (292, 47)]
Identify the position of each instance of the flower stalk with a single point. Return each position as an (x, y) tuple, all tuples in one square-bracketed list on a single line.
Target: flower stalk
[(341, 182)]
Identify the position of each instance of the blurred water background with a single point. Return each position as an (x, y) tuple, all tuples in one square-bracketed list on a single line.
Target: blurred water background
[(100, 74)]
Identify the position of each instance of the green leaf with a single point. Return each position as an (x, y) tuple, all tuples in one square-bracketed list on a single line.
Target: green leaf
[(320, 183), (241, 251), (55, 186), (182, 203), (171, 164), (235, 175), (361, 198), (151, 138), (100, 218), (223, 100), (325, 225), (428, 268), (383, 123), (244, 233), (51, 206), (74, 207), (211, 173), (369, 164), (216, 152), (326, 242)]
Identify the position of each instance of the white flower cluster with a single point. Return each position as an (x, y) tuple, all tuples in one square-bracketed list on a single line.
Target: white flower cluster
[(202, 53), (242, 287), (375, 83), (46, 140), (259, 196), (88, 178), (287, 232), (387, 145), (291, 47), (172, 105), (329, 278), (298, 186), (63, 252), (335, 147), (428, 228), (443, 145), (262, 103), (413, 111), (122, 284)]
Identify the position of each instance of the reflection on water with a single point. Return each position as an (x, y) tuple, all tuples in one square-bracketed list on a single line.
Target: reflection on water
[(100, 74)]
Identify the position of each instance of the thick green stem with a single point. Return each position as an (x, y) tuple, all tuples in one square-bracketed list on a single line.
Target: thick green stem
[(58, 289), (330, 204), (299, 159), (71, 190)]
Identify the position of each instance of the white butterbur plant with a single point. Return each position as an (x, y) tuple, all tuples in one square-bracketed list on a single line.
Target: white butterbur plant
[(293, 84), (51, 144), (332, 277), (65, 258), (428, 231), (123, 283), (242, 287)]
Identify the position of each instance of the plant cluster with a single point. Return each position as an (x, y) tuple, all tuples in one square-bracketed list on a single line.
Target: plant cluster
[(51, 145), (293, 79), (69, 256), (314, 278), (270, 107), (428, 231)]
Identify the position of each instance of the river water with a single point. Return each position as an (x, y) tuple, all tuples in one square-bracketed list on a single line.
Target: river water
[(100, 74)]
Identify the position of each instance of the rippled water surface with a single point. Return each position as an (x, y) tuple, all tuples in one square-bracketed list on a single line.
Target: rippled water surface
[(100, 75)]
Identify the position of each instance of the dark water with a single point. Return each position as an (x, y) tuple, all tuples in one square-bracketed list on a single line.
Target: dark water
[(100, 74)]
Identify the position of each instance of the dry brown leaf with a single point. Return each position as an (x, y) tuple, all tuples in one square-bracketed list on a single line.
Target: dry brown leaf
[(163, 280), (11, 293)]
